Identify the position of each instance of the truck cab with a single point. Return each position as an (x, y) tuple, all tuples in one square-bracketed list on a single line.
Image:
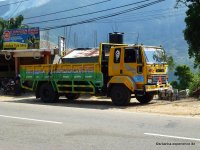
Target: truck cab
[(138, 70)]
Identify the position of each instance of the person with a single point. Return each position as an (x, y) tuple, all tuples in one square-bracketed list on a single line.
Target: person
[(170, 92), (17, 85), (30, 43)]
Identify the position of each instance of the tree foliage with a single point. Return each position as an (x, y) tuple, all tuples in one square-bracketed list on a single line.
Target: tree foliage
[(175, 84), (184, 75), (13, 23), (192, 30), (169, 60), (195, 85)]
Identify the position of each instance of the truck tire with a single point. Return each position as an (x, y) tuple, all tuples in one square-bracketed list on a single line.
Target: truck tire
[(47, 94), (144, 99), (120, 95), (72, 96)]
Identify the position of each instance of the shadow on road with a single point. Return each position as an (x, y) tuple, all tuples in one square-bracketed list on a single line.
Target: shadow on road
[(83, 102)]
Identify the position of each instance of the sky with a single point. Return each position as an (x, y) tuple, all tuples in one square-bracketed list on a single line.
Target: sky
[(24, 5), (140, 22), (21, 6)]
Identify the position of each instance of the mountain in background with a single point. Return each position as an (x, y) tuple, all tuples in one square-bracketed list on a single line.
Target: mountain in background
[(159, 24)]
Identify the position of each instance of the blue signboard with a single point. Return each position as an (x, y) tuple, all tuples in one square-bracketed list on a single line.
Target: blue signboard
[(25, 38), (138, 78)]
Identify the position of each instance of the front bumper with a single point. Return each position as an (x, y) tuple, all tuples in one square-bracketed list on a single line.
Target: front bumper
[(153, 88)]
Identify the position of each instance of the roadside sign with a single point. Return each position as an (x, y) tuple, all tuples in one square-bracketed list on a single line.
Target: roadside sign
[(19, 39)]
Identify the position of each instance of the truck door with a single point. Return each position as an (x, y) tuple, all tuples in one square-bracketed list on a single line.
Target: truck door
[(133, 66), (130, 61), (115, 62), (125, 61)]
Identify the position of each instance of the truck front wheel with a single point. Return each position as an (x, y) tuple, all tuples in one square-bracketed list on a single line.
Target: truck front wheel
[(47, 94), (144, 99), (120, 95)]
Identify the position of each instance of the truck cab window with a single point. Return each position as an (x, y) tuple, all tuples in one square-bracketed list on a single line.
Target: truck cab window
[(130, 56), (117, 55)]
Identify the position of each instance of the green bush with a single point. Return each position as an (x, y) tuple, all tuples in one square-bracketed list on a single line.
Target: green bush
[(174, 84), (195, 84), (184, 76)]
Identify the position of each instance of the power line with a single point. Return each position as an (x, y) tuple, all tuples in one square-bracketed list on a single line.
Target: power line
[(143, 19), (91, 13), (67, 10), (15, 10), (14, 3), (151, 13), (105, 16), (142, 16), (149, 17)]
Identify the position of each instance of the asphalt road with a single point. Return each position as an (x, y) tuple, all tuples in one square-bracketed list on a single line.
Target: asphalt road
[(37, 126)]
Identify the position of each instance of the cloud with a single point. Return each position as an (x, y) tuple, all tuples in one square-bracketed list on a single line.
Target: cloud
[(19, 7)]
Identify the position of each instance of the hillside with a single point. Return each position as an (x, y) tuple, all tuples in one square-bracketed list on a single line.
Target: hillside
[(159, 24)]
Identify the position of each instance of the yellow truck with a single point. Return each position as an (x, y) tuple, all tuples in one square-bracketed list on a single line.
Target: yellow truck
[(121, 72)]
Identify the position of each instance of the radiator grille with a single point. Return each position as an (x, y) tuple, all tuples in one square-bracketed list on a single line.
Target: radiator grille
[(159, 78)]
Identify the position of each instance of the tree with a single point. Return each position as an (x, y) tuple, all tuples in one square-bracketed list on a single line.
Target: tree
[(184, 75), (170, 62), (195, 86), (192, 30), (169, 59), (13, 23), (174, 84)]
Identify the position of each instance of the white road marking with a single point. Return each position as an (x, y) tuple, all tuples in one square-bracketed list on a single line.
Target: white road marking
[(46, 121), (170, 136)]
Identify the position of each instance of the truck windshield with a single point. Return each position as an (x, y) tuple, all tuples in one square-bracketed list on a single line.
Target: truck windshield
[(154, 55)]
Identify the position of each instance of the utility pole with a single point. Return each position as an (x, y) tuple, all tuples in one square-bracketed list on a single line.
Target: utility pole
[(69, 36), (48, 40), (137, 38), (96, 38), (74, 39)]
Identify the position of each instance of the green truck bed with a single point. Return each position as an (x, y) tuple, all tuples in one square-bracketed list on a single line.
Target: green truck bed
[(65, 78)]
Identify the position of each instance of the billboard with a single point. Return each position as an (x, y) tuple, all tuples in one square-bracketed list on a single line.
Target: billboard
[(19, 39)]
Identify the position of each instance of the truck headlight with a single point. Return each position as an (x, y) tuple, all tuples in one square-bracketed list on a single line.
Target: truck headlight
[(150, 81)]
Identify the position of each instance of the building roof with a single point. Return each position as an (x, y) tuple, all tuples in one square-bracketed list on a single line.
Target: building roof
[(75, 53)]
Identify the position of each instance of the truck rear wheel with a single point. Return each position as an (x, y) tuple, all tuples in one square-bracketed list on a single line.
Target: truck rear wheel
[(72, 96), (120, 95), (47, 94), (144, 99)]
